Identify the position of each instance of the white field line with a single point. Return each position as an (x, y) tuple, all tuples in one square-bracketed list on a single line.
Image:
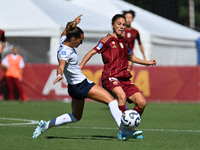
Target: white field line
[(26, 121), (159, 130), (30, 123)]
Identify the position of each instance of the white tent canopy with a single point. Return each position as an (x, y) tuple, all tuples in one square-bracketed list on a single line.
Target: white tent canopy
[(168, 42)]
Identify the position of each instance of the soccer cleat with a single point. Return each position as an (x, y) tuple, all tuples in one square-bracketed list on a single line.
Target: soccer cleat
[(120, 135), (125, 134), (139, 137), (40, 129)]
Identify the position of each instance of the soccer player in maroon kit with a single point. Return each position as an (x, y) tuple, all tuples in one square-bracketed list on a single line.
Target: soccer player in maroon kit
[(3, 84), (131, 34), (115, 76), (3, 40)]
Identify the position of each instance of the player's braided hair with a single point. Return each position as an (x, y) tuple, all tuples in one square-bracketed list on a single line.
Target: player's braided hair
[(72, 30)]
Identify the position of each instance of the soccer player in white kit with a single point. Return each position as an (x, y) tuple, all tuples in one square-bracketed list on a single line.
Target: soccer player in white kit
[(79, 87)]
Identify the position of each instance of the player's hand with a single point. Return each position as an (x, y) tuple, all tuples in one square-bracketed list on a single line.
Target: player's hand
[(1, 50), (58, 79), (152, 62), (78, 19)]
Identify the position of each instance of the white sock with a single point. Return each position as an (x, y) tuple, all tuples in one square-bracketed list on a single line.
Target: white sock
[(115, 111), (61, 120)]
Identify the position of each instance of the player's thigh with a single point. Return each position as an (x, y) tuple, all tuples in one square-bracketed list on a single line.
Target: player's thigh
[(138, 99), (119, 92), (77, 108), (100, 94)]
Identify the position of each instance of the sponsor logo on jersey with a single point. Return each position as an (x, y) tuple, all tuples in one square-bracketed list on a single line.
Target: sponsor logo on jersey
[(121, 45), (63, 53), (128, 35), (99, 46), (114, 46)]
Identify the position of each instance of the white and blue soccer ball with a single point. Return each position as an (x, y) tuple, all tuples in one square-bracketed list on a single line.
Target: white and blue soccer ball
[(130, 119)]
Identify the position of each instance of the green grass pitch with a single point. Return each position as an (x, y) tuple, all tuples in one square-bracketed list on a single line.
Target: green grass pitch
[(166, 126)]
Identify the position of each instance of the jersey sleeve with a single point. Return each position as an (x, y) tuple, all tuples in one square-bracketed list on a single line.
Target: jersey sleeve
[(65, 55), (22, 64), (101, 46), (62, 39), (2, 36)]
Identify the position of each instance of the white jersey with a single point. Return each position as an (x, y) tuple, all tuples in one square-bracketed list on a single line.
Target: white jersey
[(72, 71)]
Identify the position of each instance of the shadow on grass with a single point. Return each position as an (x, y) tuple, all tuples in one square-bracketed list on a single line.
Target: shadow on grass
[(93, 137)]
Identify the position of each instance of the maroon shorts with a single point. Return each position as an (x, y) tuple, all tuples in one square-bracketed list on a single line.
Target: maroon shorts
[(128, 87)]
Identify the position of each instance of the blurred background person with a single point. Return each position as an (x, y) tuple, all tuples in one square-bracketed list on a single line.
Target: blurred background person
[(3, 41), (3, 85), (131, 34), (13, 65)]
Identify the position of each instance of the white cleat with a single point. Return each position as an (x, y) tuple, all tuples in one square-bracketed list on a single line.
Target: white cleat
[(125, 134), (40, 129)]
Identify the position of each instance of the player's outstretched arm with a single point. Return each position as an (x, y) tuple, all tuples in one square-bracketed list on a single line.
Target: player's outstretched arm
[(77, 20), (137, 60), (60, 71), (87, 58), (142, 51)]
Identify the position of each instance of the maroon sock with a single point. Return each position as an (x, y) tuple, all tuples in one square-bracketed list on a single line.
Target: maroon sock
[(122, 108), (138, 110)]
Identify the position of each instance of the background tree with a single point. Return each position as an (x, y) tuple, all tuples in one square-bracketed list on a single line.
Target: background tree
[(175, 10)]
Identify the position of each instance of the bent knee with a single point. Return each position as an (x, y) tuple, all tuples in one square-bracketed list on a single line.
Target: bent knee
[(141, 104)]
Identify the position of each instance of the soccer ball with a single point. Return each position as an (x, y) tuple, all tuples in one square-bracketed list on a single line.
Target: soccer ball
[(130, 119)]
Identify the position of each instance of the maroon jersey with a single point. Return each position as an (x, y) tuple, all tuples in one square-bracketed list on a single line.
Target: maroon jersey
[(2, 39), (2, 36), (130, 35), (114, 53)]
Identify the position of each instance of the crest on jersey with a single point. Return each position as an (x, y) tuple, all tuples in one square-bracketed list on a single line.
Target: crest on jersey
[(99, 46), (121, 45), (113, 44), (63, 53), (128, 35)]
